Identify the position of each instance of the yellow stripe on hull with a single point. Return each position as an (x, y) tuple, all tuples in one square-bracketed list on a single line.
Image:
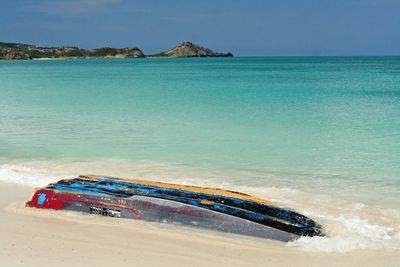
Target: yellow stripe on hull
[(196, 189)]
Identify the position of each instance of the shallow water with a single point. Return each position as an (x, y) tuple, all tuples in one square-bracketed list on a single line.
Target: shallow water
[(319, 135)]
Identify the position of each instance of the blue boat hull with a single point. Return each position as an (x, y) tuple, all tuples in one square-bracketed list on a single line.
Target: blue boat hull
[(203, 207)]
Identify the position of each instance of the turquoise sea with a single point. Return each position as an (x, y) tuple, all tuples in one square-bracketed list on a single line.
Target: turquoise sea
[(319, 134)]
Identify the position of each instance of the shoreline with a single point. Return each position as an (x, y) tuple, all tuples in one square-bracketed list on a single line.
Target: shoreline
[(33, 237)]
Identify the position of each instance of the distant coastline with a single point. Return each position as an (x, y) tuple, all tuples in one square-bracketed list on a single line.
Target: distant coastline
[(17, 51)]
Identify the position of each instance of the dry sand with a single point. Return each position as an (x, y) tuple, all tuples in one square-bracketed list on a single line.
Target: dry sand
[(32, 237)]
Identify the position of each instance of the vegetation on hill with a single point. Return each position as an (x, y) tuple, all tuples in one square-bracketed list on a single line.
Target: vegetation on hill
[(23, 51), (16, 51)]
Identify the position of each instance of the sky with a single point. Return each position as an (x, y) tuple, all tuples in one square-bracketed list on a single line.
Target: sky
[(244, 27)]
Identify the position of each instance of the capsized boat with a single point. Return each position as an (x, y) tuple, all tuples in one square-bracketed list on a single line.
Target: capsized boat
[(210, 208)]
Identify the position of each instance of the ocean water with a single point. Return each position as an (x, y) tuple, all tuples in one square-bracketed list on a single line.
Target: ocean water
[(319, 134)]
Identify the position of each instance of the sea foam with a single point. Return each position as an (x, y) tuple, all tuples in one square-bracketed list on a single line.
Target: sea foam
[(345, 234), (24, 175)]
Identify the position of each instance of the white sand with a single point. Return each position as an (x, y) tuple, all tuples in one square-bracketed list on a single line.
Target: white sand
[(32, 237)]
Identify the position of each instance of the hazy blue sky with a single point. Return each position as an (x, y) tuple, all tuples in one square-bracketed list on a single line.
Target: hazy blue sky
[(245, 27)]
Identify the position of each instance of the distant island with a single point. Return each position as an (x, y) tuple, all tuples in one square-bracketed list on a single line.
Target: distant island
[(16, 51), (188, 49)]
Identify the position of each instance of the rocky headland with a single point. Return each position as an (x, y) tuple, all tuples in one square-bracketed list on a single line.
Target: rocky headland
[(188, 49)]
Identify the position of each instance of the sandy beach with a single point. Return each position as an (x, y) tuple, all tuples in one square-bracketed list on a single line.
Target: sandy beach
[(33, 237), (199, 133)]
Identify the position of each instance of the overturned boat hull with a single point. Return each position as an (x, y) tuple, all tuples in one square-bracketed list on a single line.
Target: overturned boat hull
[(188, 205)]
